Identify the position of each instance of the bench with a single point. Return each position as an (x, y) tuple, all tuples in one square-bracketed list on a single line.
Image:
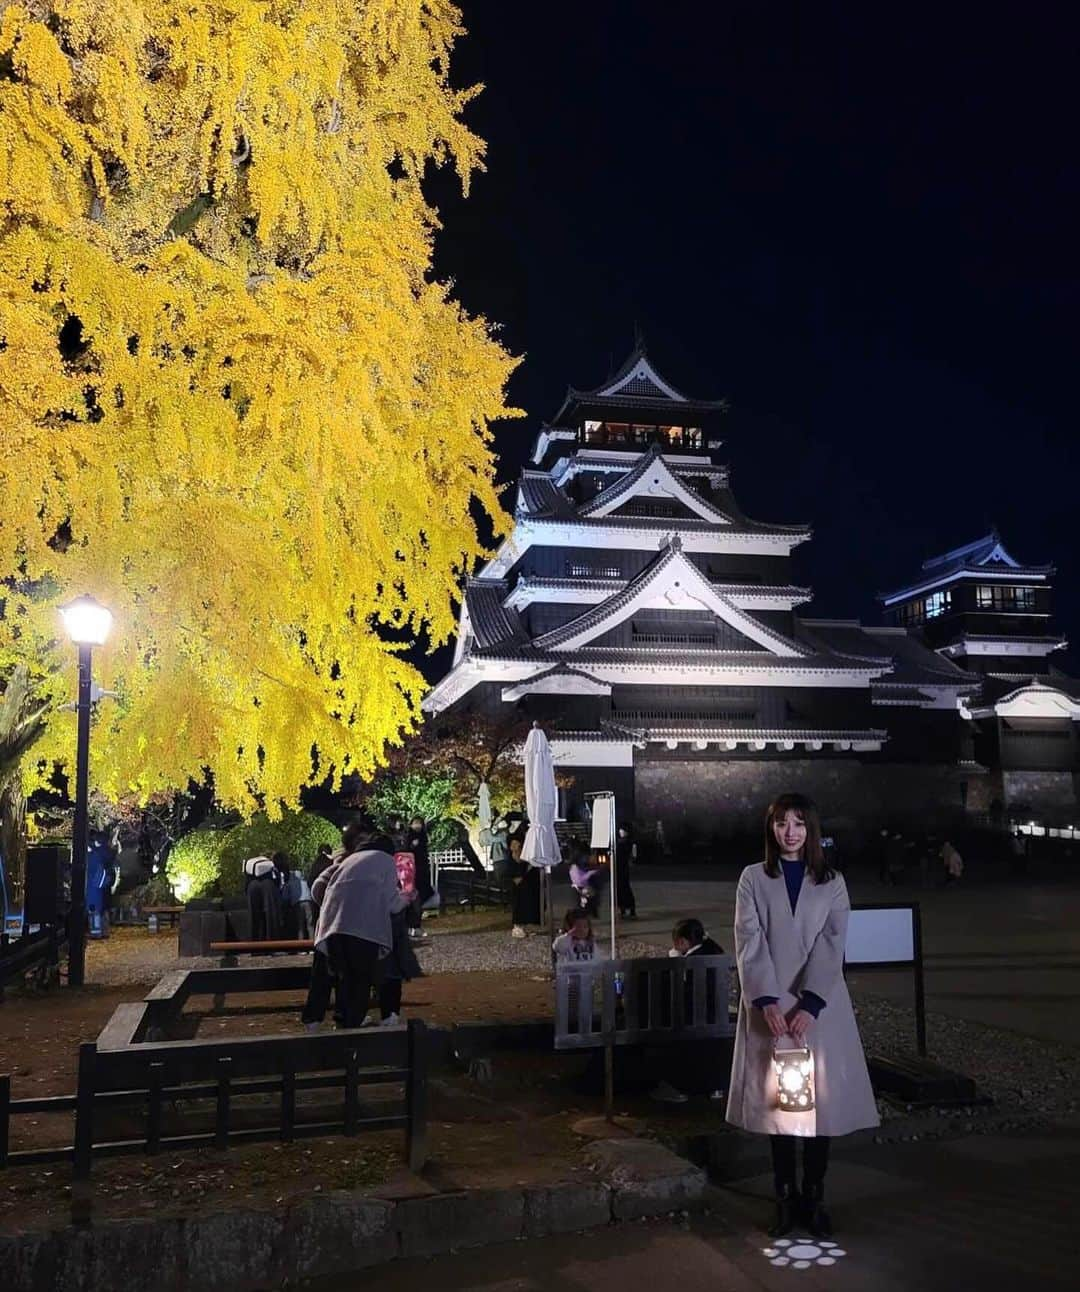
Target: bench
[(230, 950), (651, 1001), (172, 913), (656, 1000)]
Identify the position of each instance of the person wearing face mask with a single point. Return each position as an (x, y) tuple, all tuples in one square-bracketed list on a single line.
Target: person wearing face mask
[(791, 915)]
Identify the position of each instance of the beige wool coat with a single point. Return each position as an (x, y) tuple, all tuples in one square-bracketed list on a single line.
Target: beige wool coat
[(780, 954)]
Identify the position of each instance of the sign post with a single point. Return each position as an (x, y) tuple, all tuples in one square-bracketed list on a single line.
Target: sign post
[(890, 937)]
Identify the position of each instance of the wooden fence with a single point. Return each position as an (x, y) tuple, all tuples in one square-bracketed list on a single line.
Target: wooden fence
[(184, 1093)]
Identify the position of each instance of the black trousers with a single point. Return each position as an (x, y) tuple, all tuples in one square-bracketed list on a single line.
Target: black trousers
[(815, 1161), (319, 989), (390, 997), (353, 961)]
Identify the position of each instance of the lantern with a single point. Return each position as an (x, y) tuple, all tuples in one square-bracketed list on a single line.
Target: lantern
[(794, 1079)]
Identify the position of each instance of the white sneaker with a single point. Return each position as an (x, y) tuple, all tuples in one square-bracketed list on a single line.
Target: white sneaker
[(665, 1093), (392, 1020), (313, 1027), (718, 1095), (517, 932)]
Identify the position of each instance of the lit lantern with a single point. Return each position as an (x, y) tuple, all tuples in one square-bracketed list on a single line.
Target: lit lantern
[(794, 1079)]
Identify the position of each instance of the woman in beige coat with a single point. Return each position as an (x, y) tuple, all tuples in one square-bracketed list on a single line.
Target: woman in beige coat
[(791, 914)]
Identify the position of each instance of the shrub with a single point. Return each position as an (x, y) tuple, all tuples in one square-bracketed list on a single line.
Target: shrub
[(157, 891), (193, 867), (298, 834), (426, 794)]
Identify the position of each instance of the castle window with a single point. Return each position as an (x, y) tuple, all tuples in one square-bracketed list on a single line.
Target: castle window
[(999, 596)]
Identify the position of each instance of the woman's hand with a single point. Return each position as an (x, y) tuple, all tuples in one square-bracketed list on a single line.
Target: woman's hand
[(775, 1020), (799, 1025)]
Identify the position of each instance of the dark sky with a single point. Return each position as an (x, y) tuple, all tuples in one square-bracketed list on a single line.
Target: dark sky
[(857, 222)]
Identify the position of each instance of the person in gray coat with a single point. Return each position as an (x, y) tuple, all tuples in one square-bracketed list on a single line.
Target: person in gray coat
[(791, 915), (356, 897)]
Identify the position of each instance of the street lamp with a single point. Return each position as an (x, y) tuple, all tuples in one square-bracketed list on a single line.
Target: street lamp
[(87, 622)]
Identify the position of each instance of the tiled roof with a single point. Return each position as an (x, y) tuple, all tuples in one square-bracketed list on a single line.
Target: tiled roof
[(625, 484), (492, 624), (707, 731), (596, 615), (985, 555), (910, 661), (541, 496)]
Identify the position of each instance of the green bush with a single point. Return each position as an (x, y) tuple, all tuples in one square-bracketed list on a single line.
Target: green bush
[(426, 794), (298, 834), (193, 867), (157, 891)]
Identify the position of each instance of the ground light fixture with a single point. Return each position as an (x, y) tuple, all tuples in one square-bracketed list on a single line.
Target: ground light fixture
[(794, 1070), (87, 623)]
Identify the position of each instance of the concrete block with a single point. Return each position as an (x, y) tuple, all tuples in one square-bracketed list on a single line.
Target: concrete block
[(197, 930), (27, 1261), (115, 1255), (428, 1226), (231, 1250), (645, 1178), (565, 1208), (333, 1233)]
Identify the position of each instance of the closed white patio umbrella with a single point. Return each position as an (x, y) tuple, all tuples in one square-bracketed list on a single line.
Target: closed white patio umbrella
[(541, 847)]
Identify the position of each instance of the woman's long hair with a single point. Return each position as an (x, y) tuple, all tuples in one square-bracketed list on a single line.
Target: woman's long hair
[(806, 810)]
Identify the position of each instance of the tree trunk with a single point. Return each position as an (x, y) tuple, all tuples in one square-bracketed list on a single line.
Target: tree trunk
[(13, 839)]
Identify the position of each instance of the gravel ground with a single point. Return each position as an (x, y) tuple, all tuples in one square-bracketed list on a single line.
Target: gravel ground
[(135, 957), (1021, 1074)]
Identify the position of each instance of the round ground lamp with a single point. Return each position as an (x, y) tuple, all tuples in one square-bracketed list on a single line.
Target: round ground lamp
[(794, 1070), (87, 622)]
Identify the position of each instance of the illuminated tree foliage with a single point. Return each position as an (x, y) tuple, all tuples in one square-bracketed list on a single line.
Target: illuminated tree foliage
[(233, 404)]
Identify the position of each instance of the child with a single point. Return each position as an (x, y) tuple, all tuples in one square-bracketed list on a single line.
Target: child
[(576, 942)]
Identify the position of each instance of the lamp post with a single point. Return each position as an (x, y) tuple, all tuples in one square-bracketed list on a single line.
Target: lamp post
[(87, 622)]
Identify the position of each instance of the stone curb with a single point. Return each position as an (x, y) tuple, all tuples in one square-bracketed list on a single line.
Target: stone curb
[(335, 1233)]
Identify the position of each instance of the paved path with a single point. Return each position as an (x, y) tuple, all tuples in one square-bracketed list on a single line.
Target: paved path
[(977, 1213), (1002, 953)]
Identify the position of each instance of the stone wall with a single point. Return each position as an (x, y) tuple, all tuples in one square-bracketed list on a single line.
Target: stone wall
[(1049, 794), (727, 798)]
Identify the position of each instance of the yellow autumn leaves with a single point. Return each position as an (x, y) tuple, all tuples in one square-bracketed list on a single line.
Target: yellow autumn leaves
[(233, 404)]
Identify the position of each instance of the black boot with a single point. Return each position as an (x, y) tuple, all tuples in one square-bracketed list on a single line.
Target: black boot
[(787, 1211), (815, 1217)]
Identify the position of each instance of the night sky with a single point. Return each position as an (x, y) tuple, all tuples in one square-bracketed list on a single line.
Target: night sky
[(858, 224)]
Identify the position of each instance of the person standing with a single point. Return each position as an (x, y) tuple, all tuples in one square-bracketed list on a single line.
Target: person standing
[(264, 901), (321, 986), (357, 898), (791, 915), (296, 896), (100, 878), (625, 856)]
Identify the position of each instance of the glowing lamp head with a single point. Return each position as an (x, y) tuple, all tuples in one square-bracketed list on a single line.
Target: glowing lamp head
[(87, 621), (794, 1079)]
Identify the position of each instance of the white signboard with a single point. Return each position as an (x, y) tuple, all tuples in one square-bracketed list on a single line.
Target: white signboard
[(881, 935)]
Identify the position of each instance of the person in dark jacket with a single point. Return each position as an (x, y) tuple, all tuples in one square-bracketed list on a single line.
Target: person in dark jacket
[(264, 902), (417, 844), (399, 967), (323, 858), (697, 1066), (625, 856)]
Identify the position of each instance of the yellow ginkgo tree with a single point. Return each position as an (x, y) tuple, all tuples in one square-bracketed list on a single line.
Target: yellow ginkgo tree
[(234, 404)]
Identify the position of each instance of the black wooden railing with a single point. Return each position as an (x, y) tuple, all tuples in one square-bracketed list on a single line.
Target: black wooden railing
[(183, 1094)]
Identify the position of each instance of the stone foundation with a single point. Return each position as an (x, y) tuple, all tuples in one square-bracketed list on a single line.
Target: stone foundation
[(1052, 795), (724, 799)]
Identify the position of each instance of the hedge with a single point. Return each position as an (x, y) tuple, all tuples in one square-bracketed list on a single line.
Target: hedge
[(193, 868), (297, 834)]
